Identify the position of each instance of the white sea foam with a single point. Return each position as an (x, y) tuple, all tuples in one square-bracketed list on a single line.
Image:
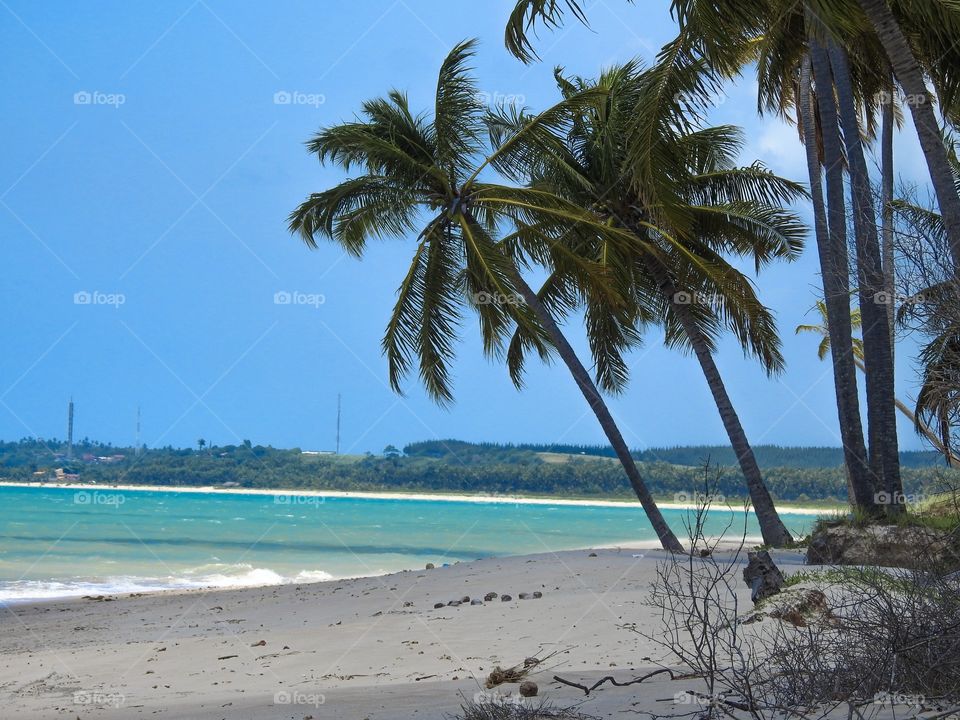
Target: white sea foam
[(215, 575)]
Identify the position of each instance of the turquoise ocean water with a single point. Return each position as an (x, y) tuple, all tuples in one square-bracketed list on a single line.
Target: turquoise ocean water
[(56, 542)]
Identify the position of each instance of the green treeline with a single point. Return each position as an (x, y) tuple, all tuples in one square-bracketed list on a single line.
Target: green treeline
[(767, 455), (442, 466)]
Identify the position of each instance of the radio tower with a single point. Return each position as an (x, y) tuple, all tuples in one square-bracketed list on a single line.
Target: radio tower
[(338, 424), (136, 449), (70, 429)]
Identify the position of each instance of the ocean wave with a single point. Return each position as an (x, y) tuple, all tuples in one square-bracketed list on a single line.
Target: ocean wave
[(214, 575)]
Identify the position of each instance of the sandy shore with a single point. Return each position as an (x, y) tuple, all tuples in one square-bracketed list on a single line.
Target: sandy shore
[(447, 497), (364, 648)]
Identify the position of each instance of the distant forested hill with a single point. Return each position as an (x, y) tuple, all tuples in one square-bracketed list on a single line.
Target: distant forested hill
[(692, 455), (792, 474)]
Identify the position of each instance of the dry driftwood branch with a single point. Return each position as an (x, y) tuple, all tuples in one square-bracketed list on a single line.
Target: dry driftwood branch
[(613, 681)]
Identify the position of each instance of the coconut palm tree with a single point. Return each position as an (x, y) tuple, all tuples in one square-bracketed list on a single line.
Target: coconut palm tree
[(878, 357), (934, 310), (675, 272), (823, 349), (830, 232), (938, 26), (419, 176), (918, 41), (939, 398), (728, 36)]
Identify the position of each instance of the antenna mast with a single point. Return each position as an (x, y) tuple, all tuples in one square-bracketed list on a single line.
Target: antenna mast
[(136, 449), (70, 429), (338, 424)]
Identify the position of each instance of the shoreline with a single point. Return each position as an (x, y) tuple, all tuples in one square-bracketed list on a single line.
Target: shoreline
[(636, 548), (398, 645), (382, 495)]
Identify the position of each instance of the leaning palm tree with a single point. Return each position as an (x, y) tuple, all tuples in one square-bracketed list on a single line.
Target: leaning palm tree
[(729, 34), (934, 54), (685, 212), (420, 177), (789, 41), (918, 40), (823, 350)]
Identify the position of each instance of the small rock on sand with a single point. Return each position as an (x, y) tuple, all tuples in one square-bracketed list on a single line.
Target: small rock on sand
[(490, 596), (437, 606), (528, 688), (430, 566), (506, 598), (476, 602), (537, 594)]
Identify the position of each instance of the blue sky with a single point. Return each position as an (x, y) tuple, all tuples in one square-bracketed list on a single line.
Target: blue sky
[(147, 159)]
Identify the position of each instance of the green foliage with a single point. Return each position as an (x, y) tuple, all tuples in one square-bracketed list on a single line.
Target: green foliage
[(773, 456), (918, 515), (446, 466), (856, 576)]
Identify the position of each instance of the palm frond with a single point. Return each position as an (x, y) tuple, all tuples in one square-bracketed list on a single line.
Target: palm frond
[(523, 20), (457, 119)]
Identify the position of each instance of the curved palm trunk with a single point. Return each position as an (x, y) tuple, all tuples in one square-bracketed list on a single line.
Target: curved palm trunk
[(774, 532), (910, 76), (881, 408), (830, 231), (886, 215), (924, 429), (599, 407)]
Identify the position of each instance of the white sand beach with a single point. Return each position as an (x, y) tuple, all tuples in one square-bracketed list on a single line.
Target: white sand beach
[(364, 648), (448, 497)]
